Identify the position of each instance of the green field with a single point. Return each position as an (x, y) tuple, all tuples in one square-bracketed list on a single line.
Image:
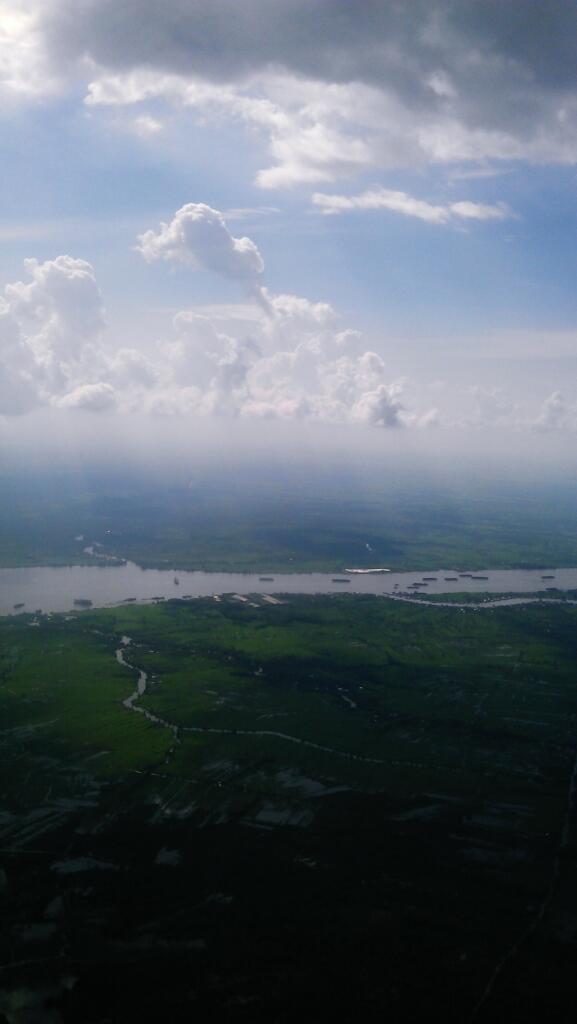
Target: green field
[(343, 788)]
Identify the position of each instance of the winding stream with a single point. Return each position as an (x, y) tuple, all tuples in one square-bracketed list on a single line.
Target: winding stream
[(130, 703)]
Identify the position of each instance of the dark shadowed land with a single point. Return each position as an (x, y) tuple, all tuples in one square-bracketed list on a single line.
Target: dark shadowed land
[(347, 805), (266, 518)]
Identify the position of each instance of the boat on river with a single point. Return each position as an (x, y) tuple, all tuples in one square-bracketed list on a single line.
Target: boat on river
[(366, 572)]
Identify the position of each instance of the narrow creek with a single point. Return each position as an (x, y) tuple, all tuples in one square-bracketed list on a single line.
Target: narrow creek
[(131, 702)]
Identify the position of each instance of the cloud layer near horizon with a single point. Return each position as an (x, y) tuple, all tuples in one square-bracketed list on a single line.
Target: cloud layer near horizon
[(294, 362)]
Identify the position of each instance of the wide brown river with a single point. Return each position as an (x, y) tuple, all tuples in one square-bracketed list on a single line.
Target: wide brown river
[(57, 589)]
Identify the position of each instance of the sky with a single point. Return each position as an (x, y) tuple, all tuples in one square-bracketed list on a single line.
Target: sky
[(289, 215)]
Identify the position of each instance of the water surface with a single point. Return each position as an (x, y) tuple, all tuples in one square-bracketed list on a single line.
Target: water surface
[(56, 589)]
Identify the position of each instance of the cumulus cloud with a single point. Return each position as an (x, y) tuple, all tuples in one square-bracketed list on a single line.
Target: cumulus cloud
[(292, 360), (297, 363), (127, 367), (61, 305), (493, 408), (49, 325), (18, 388), (197, 235), (334, 87), (409, 206), (555, 414)]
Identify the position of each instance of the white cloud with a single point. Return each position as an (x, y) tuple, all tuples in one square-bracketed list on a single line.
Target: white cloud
[(146, 126), (61, 306), (409, 206), (308, 126), (480, 211), (285, 358), (48, 327), (18, 389), (321, 131), (128, 367), (292, 361), (493, 408), (26, 72), (92, 397), (296, 363), (555, 414), (197, 235)]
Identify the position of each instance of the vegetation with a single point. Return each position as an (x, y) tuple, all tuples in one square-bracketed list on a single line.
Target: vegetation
[(341, 788)]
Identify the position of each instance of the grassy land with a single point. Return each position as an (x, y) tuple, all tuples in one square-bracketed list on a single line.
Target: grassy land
[(246, 873), (488, 597)]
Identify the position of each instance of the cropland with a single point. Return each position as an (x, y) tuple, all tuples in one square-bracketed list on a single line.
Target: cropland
[(344, 807)]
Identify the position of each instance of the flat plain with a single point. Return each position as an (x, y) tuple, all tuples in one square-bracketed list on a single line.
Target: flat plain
[(348, 804), (303, 522)]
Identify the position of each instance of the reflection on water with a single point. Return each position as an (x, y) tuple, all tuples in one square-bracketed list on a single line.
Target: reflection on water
[(56, 590)]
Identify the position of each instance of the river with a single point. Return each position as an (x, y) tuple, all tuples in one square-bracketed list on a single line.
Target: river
[(49, 589)]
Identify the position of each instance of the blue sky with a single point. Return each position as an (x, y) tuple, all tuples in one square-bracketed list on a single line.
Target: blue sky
[(411, 166)]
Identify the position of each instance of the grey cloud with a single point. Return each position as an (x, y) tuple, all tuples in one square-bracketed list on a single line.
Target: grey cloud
[(369, 40), (502, 66)]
